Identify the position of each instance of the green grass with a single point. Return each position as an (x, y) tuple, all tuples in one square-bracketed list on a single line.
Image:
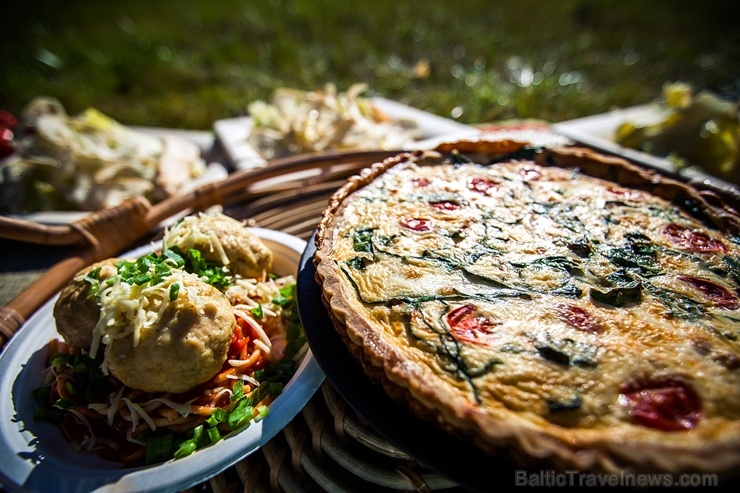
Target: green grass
[(186, 64)]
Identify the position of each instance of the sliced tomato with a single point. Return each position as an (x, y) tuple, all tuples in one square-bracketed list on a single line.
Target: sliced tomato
[(577, 317), (416, 223), (719, 295), (667, 403), (445, 205), (482, 185), (695, 241), (467, 325)]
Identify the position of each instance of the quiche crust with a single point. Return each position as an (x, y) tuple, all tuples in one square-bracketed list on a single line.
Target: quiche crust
[(564, 309)]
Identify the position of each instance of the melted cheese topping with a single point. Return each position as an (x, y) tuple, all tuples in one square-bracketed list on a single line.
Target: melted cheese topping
[(195, 231), (128, 309), (546, 292)]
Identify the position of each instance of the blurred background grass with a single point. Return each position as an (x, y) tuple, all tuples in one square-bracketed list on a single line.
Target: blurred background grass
[(185, 64)]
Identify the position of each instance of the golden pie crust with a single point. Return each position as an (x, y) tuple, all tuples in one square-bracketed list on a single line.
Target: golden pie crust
[(562, 308)]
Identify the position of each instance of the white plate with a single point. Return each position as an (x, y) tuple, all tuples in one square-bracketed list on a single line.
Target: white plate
[(214, 172), (34, 456), (233, 132), (598, 131)]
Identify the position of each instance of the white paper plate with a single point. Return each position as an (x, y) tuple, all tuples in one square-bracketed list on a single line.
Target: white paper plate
[(598, 131), (233, 132), (35, 457)]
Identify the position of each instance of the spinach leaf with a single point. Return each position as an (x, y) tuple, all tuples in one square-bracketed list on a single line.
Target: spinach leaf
[(619, 296), (637, 252), (357, 263), (567, 352), (570, 265), (733, 266), (679, 306), (362, 240), (580, 247)]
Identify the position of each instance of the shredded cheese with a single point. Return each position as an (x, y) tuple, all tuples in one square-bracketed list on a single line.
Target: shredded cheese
[(89, 440), (137, 411), (127, 310), (263, 337), (182, 409), (193, 232), (114, 406), (245, 378)]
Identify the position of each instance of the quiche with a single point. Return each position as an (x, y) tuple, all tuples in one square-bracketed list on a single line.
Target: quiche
[(556, 306)]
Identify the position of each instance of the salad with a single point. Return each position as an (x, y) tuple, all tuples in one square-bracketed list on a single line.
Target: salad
[(295, 122), (87, 162), (698, 129)]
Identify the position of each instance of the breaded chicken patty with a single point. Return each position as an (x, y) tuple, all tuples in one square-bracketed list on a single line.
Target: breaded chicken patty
[(164, 344), (76, 311), (221, 239)]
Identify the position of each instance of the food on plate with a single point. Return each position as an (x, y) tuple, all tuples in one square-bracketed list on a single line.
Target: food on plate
[(696, 129), (89, 161), (221, 239), (77, 311), (558, 307), (169, 352), (295, 122), (182, 342)]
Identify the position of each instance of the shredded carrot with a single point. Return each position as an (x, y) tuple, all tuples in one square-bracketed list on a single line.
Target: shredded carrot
[(222, 377), (202, 410), (62, 381)]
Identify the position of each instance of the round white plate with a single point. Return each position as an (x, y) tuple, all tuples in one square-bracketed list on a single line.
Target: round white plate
[(35, 457)]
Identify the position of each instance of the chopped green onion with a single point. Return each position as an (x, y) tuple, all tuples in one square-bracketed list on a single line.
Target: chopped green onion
[(238, 391), (158, 449), (240, 415), (189, 446), (257, 311), (174, 291), (275, 388), (64, 403), (214, 435), (217, 416)]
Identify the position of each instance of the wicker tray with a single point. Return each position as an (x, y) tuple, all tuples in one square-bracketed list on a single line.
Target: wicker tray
[(327, 448)]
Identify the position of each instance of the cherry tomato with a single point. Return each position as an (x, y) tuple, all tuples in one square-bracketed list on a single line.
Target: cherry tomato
[(667, 403), (577, 317), (481, 185), (445, 205), (713, 291), (466, 325), (416, 223), (696, 241)]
